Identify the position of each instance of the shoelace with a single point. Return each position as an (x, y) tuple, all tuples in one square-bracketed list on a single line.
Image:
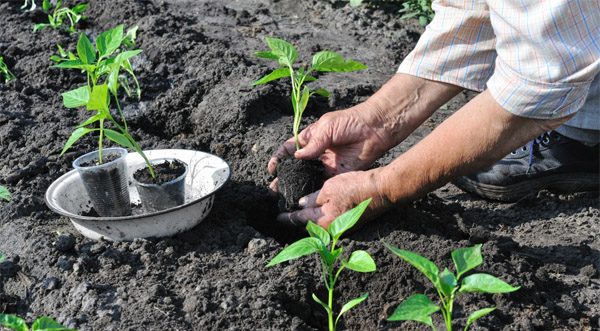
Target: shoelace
[(544, 138)]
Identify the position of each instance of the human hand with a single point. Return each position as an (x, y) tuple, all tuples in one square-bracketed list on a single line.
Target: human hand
[(339, 194), (341, 140)]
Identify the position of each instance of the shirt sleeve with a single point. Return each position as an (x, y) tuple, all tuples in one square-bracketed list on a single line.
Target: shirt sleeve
[(457, 47), (548, 55)]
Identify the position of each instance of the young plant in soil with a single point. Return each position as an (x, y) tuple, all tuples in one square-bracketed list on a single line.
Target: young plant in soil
[(296, 178), (103, 65), (324, 243), (8, 76), (16, 323), (4, 194), (61, 15), (419, 307)]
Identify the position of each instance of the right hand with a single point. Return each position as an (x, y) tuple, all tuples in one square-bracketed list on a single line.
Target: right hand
[(342, 140)]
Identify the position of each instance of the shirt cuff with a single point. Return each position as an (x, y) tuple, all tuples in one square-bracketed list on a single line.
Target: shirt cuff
[(533, 99)]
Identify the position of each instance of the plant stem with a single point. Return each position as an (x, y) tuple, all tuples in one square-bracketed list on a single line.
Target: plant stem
[(330, 312), (100, 140)]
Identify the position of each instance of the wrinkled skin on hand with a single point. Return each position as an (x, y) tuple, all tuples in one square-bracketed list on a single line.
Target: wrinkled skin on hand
[(344, 143)]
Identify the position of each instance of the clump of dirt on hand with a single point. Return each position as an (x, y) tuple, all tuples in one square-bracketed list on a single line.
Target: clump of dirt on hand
[(105, 159), (165, 172), (298, 178)]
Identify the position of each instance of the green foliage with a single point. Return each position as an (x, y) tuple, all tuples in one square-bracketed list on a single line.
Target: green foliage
[(448, 285), (8, 76), (107, 66), (60, 15), (419, 9), (323, 242), (16, 323), (4, 194), (286, 55), (1, 258)]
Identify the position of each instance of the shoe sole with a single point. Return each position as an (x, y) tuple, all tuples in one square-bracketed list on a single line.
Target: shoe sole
[(582, 182)]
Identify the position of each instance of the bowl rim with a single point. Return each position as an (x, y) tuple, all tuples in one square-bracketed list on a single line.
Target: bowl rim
[(73, 172)]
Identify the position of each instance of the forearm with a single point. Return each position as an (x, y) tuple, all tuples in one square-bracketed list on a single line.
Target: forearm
[(404, 103), (474, 137)]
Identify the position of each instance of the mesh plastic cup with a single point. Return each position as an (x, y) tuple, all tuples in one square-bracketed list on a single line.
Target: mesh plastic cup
[(167, 195), (106, 183)]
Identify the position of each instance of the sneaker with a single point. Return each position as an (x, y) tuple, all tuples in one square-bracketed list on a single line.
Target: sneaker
[(551, 161)]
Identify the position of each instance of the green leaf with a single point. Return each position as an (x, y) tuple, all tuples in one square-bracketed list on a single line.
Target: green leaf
[(330, 257), (85, 50), (328, 61), (109, 41), (46, 5), (275, 74), (325, 306), (318, 232), (1, 258), (126, 55), (361, 261), (130, 37), (285, 52), (466, 259), (76, 135), (303, 100), (477, 315), (347, 220), (80, 8), (417, 308), (39, 27), (423, 21), (322, 92), (113, 79), (75, 64), (91, 120), (77, 98), (47, 324), (118, 138), (13, 322), (355, 3), (4, 194), (484, 283), (351, 304), (298, 249), (447, 282), (424, 265), (99, 98), (266, 55)]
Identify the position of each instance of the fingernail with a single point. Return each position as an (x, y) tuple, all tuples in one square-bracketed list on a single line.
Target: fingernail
[(302, 201)]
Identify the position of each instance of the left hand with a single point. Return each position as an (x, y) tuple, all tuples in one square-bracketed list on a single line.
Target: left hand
[(338, 195)]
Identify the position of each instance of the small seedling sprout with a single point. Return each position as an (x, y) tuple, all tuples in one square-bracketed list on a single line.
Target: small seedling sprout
[(4, 194), (286, 55), (324, 243), (60, 14), (419, 307), (103, 65), (16, 323), (8, 76), (420, 9)]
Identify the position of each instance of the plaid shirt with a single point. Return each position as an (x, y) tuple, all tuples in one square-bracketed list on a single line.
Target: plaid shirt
[(537, 58)]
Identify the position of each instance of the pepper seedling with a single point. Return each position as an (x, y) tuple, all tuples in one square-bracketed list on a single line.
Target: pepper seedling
[(13, 322), (324, 242), (4, 194), (103, 65), (8, 76), (60, 15), (286, 55), (419, 307)]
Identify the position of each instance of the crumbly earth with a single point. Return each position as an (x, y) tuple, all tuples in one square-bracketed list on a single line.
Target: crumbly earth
[(296, 179), (195, 72)]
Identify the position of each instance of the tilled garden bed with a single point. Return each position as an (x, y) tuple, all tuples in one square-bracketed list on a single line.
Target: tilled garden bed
[(196, 72)]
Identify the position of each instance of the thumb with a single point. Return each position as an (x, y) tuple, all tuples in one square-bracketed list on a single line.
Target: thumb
[(314, 148)]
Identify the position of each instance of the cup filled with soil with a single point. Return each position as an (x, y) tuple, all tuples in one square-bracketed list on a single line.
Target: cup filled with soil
[(105, 181), (165, 190), (298, 178)]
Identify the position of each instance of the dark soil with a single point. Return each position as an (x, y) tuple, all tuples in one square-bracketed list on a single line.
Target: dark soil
[(196, 71), (106, 158), (298, 178), (164, 172)]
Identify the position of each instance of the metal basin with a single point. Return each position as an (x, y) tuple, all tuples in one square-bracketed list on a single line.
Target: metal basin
[(207, 174)]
